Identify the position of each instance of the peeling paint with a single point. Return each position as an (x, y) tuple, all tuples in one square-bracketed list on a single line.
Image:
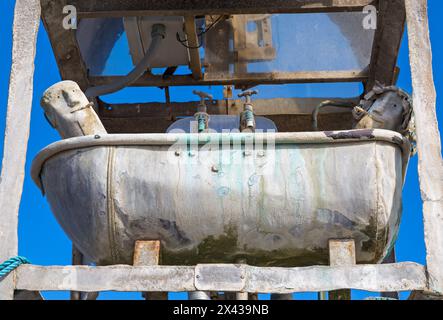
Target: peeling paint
[(352, 134)]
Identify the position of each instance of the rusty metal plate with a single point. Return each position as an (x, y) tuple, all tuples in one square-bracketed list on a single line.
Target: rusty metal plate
[(226, 277)]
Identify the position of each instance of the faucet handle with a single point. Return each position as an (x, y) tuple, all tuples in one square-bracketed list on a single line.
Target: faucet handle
[(203, 95), (247, 95)]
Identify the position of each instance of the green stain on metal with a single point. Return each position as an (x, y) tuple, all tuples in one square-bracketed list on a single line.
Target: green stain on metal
[(225, 249), (377, 241)]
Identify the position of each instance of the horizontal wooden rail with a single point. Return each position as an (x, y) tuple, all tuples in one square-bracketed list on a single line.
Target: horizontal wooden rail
[(119, 8), (262, 107), (406, 276), (239, 80)]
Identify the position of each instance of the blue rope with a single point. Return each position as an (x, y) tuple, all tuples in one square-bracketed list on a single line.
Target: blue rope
[(11, 264)]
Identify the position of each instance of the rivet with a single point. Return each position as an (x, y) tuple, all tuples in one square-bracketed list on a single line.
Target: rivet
[(96, 136), (177, 153), (214, 168)]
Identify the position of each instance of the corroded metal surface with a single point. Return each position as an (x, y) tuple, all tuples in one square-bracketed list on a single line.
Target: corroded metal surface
[(270, 207)]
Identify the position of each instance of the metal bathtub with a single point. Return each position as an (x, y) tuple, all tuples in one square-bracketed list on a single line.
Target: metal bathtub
[(218, 198)]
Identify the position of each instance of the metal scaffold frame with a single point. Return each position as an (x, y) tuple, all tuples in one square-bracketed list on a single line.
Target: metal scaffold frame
[(343, 273)]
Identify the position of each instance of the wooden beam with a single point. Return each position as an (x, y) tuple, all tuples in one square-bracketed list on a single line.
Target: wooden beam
[(390, 259), (404, 276), (430, 166), (147, 253), (390, 28), (18, 118), (193, 44), (77, 259), (289, 114), (422, 295), (120, 8), (262, 107), (247, 79), (27, 295), (341, 253), (64, 43)]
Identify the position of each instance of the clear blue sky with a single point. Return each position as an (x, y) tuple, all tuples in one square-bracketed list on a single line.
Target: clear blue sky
[(42, 240)]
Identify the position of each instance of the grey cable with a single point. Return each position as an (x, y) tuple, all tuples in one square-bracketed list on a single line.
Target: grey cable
[(327, 103), (158, 33)]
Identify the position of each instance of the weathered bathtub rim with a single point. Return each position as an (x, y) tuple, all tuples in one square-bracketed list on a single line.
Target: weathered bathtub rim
[(323, 137)]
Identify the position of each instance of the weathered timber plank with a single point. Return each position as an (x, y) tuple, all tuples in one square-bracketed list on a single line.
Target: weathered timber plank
[(341, 253), (64, 43), (118, 8), (147, 253), (422, 295), (387, 41), (291, 114), (246, 79), (387, 277), (193, 44), (394, 277), (111, 278), (77, 259), (262, 107), (25, 28), (391, 258), (284, 123), (27, 295), (430, 166)]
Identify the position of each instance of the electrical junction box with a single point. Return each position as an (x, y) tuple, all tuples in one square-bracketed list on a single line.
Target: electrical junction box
[(171, 53)]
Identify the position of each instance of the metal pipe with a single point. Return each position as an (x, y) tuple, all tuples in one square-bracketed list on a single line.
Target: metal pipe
[(277, 296), (199, 295), (327, 103), (158, 33)]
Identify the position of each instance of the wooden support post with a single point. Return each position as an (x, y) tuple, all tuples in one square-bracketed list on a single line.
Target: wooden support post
[(430, 163), (276, 296), (25, 28), (341, 253), (390, 259), (147, 253), (27, 295), (193, 44), (77, 259), (388, 36), (199, 295), (241, 296)]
